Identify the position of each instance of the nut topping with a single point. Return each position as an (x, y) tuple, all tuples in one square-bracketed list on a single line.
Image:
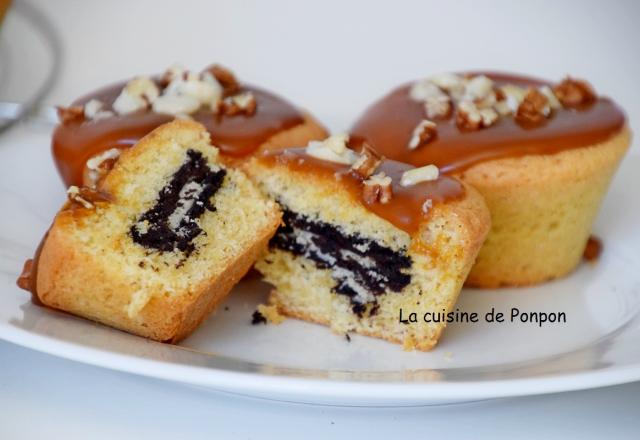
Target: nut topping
[(176, 104), (94, 109), (478, 88), (226, 78), (554, 103), (138, 94), (333, 149), (98, 166), (367, 163), (417, 175), (85, 197), (67, 115), (243, 103), (574, 92), (377, 188), (468, 116), (438, 107), (425, 132), (534, 108)]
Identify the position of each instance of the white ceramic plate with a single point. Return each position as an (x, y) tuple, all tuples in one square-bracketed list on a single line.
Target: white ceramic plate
[(296, 361)]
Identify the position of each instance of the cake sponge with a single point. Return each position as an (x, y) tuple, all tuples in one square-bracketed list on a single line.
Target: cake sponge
[(161, 241), (338, 261)]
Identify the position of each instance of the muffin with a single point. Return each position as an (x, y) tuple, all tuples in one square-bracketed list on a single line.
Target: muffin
[(160, 241), (542, 155), (240, 118), (367, 242)]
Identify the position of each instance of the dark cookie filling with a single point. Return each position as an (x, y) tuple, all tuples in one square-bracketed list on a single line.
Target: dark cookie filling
[(361, 267), (171, 223)]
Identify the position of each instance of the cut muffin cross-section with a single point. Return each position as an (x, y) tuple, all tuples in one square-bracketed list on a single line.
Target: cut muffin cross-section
[(364, 238), (160, 242)]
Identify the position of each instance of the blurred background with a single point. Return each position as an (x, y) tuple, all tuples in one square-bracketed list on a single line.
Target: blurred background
[(333, 57)]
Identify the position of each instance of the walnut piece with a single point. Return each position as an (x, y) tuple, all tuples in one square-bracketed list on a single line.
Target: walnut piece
[(226, 78), (94, 109), (367, 163), (377, 188), (333, 149), (468, 116), (85, 197), (438, 107), (425, 132), (534, 108), (138, 94), (574, 92), (243, 103), (67, 115), (417, 175), (99, 165)]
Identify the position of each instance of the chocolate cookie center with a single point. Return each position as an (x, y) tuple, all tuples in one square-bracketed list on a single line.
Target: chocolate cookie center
[(362, 268), (171, 223)]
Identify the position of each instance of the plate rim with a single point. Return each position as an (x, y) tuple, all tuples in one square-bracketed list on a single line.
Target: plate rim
[(323, 391)]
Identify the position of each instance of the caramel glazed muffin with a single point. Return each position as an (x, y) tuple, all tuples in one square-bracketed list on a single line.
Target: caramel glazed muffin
[(160, 241), (542, 156), (241, 119), (364, 237)]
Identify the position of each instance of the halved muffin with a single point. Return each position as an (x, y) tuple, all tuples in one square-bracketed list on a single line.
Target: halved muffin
[(160, 242), (364, 238)]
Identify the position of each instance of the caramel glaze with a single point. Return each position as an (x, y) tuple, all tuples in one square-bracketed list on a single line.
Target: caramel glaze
[(75, 142), (388, 125), (404, 210)]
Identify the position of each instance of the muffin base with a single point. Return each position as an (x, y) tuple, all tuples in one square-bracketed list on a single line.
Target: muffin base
[(542, 209)]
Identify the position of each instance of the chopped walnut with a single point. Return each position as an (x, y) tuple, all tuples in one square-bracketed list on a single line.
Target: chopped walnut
[(417, 175), (138, 94), (94, 109), (226, 78), (98, 166), (333, 149), (554, 103), (478, 88), (83, 196), (425, 132), (367, 163), (468, 116), (67, 115), (377, 188), (438, 107), (453, 84), (174, 71), (425, 89), (243, 103), (513, 96), (173, 104), (574, 92), (534, 108)]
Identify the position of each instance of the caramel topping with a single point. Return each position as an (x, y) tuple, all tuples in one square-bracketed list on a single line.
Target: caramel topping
[(238, 135), (389, 123), (404, 209)]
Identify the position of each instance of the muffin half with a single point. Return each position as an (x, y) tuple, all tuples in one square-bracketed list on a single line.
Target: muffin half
[(367, 241), (159, 243)]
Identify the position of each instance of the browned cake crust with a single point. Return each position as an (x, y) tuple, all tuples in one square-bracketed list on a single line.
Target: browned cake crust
[(80, 279)]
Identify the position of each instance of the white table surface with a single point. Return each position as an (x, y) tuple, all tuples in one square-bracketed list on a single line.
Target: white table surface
[(45, 397)]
